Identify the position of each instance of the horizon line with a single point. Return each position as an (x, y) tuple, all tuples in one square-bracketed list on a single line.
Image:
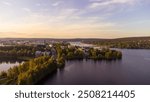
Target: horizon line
[(73, 38)]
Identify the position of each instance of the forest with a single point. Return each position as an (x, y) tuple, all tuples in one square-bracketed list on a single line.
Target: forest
[(20, 52), (75, 53), (104, 54), (31, 72), (16, 52), (126, 43)]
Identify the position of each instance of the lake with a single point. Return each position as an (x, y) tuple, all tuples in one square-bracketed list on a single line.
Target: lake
[(4, 66), (133, 69)]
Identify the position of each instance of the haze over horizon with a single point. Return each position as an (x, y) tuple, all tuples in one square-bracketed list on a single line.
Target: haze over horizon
[(74, 18)]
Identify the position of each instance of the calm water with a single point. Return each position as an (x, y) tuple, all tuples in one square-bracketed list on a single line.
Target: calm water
[(4, 66), (134, 68)]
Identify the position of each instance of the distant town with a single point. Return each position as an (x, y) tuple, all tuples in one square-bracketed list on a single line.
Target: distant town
[(50, 43)]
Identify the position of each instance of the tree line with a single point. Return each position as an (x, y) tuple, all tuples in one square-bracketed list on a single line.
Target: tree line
[(31, 72), (124, 43), (74, 52), (20, 52)]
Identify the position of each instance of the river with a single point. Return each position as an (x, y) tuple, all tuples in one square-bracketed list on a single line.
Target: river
[(5, 65), (133, 69)]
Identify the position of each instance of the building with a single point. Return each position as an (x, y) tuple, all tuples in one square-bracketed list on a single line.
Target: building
[(40, 53)]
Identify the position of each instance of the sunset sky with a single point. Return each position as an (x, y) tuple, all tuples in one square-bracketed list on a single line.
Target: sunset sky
[(74, 18)]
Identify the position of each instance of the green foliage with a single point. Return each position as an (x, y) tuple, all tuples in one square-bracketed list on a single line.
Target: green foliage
[(75, 53), (3, 74), (128, 43), (106, 54), (15, 51), (20, 51), (60, 62), (32, 71), (38, 69)]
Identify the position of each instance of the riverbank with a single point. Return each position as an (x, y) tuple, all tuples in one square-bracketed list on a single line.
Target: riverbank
[(132, 69), (10, 58), (30, 72)]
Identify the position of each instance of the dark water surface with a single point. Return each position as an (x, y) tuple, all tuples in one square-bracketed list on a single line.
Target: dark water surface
[(133, 69)]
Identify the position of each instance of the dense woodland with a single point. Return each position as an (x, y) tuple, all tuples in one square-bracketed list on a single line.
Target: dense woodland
[(128, 43), (74, 52), (104, 54), (31, 71), (20, 52), (16, 52)]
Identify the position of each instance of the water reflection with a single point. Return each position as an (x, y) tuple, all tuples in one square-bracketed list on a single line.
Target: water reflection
[(133, 69), (5, 65)]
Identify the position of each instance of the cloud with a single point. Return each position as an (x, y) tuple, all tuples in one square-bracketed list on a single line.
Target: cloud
[(60, 19), (100, 3), (27, 9), (6, 3), (57, 3), (38, 4), (68, 12)]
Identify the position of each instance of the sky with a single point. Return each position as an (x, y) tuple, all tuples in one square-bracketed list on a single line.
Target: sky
[(74, 18)]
